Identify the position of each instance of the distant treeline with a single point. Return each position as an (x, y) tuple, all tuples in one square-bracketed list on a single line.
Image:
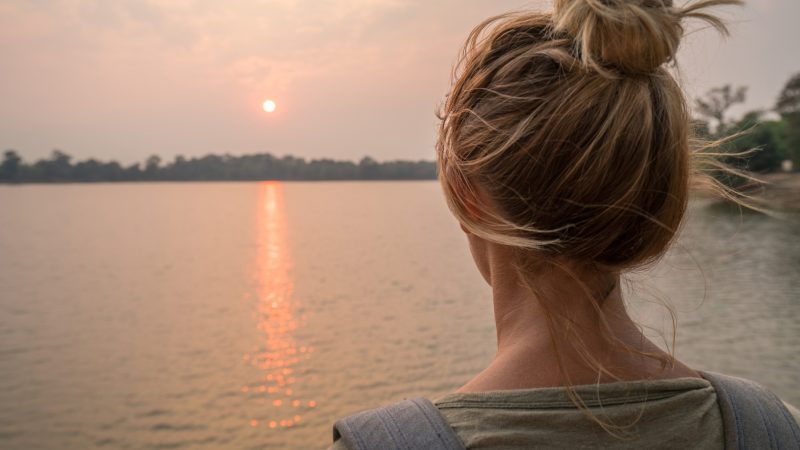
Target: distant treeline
[(760, 141), (60, 168)]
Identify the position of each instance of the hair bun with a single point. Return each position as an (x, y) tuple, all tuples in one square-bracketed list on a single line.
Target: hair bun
[(632, 36)]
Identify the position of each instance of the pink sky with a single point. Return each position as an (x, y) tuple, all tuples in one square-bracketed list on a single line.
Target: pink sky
[(124, 79)]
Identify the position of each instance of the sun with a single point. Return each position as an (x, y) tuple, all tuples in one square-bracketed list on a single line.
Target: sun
[(269, 106)]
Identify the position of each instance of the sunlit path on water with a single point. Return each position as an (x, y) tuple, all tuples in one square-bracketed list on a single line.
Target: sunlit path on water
[(277, 356)]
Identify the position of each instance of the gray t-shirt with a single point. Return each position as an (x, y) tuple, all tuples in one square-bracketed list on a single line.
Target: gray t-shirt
[(656, 414)]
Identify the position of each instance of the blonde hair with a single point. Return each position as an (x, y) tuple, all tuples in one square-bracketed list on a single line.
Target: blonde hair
[(565, 137)]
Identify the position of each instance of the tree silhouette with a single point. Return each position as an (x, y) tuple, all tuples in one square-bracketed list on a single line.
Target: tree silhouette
[(9, 168), (788, 106), (789, 98), (716, 103)]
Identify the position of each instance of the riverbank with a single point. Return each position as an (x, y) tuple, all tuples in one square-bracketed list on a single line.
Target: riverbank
[(777, 192), (781, 190)]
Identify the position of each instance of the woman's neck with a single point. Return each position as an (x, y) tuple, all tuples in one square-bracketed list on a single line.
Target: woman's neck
[(528, 356)]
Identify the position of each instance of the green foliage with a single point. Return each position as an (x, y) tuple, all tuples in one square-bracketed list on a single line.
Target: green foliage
[(59, 168), (762, 142), (754, 143)]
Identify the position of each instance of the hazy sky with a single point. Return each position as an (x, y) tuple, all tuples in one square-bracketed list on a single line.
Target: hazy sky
[(123, 79)]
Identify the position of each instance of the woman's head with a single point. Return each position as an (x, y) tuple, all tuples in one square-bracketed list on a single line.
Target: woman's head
[(564, 135)]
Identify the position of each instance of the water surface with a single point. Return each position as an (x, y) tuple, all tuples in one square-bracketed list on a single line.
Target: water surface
[(252, 315)]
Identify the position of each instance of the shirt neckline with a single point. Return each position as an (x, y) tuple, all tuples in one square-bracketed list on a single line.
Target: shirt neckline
[(601, 394)]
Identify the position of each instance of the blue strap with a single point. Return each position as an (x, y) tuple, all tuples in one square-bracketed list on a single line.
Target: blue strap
[(410, 424), (752, 416)]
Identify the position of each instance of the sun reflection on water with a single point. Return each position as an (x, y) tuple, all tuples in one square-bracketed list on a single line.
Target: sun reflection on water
[(278, 356)]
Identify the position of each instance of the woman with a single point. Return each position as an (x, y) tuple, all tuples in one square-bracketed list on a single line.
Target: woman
[(564, 152)]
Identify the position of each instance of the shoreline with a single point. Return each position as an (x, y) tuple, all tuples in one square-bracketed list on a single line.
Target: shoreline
[(781, 190)]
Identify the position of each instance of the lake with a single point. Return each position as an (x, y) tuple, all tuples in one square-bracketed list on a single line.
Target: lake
[(252, 315)]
